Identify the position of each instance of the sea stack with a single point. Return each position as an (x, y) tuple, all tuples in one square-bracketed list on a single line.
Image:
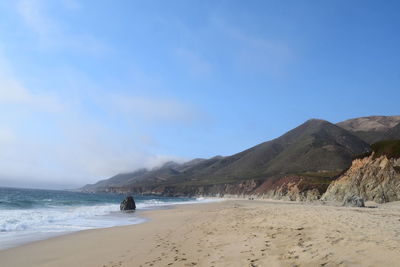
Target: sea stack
[(128, 204)]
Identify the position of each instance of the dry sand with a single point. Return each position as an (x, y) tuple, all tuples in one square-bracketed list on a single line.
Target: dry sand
[(230, 233)]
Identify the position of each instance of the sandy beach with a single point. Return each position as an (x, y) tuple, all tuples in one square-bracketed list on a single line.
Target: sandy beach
[(230, 233)]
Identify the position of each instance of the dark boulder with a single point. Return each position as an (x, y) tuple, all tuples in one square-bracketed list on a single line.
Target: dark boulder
[(353, 201), (128, 204)]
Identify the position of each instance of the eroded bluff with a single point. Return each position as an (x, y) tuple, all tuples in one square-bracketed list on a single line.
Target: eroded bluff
[(371, 178)]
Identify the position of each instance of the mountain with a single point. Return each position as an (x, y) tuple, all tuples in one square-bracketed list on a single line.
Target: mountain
[(315, 146), (311, 154), (374, 128), (393, 133)]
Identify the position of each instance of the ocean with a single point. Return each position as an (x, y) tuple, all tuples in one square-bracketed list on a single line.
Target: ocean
[(34, 214)]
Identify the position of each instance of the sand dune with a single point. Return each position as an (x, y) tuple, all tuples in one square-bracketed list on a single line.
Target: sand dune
[(231, 233)]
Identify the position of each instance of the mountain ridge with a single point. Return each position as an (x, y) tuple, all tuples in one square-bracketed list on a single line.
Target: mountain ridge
[(315, 150), (372, 129)]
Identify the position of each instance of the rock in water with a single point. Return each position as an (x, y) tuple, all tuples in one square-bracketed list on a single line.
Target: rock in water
[(353, 201), (128, 204)]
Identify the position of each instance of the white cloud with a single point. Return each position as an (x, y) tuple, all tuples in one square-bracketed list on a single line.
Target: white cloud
[(73, 146), (51, 33), (97, 151), (73, 152), (62, 138), (84, 153)]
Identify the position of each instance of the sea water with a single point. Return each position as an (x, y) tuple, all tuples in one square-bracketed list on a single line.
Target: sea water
[(33, 214)]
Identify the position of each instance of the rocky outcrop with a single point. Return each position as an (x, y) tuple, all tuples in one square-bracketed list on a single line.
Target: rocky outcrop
[(238, 189), (294, 188), (128, 204), (353, 201), (371, 178)]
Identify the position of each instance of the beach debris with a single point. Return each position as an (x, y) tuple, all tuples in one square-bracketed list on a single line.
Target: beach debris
[(128, 204), (353, 201)]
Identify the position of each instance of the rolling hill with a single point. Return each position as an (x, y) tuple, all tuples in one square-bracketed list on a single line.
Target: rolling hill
[(317, 151), (374, 128)]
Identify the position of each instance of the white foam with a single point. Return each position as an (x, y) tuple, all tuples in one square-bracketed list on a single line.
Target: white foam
[(17, 226), (154, 203), (20, 226)]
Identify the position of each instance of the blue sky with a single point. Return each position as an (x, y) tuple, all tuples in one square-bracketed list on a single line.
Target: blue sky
[(92, 88)]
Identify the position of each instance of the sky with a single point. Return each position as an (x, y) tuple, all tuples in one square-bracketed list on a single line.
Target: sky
[(89, 89)]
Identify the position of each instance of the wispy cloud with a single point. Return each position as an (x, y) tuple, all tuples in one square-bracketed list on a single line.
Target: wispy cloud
[(195, 64), (74, 144), (254, 53), (14, 93), (32, 13), (154, 108), (50, 32), (79, 132), (84, 153), (6, 135), (71, 4), (11, 92), (96, 151)]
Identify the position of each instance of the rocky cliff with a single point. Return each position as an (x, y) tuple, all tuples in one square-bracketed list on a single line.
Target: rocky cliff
[(294, 188), (375, 178), (238, 189)]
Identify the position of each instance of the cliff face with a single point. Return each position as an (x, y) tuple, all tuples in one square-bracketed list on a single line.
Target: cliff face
[(376, 179), (294, 188), (239, 189)]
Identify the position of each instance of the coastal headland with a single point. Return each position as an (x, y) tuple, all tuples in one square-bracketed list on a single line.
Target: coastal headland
[(231, 233)]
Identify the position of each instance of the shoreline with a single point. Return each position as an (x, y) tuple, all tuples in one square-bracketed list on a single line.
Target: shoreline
[(63, 220), (229, 233), (139, 219), (27, 238)]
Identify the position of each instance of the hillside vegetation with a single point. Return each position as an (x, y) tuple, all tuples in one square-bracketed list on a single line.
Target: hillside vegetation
[(312, 154), (388, 148)]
